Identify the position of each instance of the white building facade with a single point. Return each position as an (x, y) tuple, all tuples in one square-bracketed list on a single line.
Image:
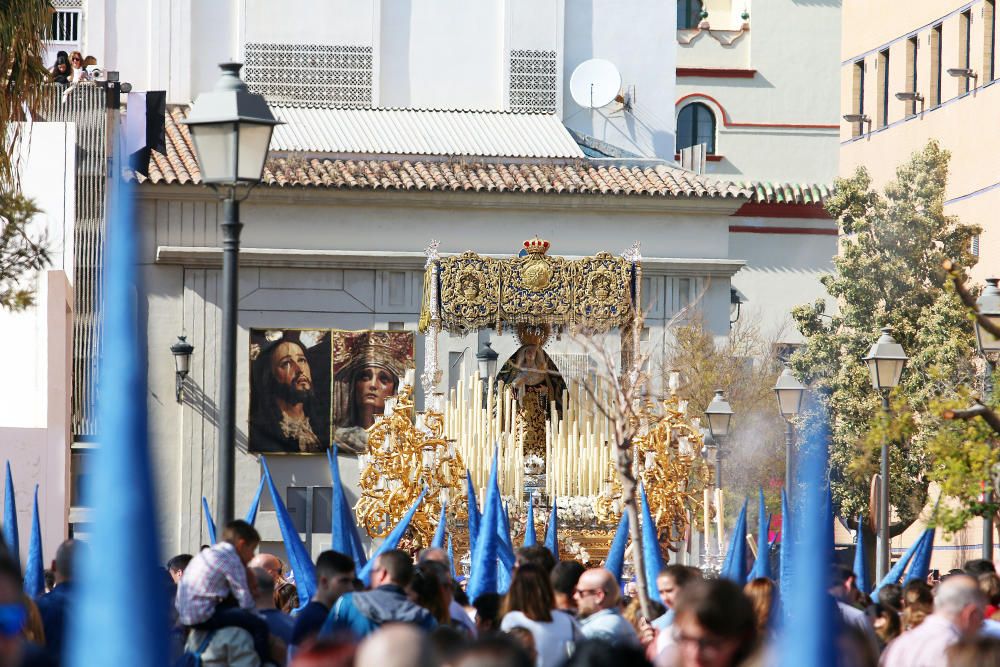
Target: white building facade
[(417, 120)]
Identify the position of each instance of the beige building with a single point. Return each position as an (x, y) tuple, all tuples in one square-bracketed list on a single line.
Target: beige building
[(914, 71), (945, 52)]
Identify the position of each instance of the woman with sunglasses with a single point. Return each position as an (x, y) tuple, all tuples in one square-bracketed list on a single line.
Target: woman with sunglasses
[(76, 63)]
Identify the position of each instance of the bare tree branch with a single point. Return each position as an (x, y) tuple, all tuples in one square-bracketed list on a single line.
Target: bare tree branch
[(977, 410), (958, 280)]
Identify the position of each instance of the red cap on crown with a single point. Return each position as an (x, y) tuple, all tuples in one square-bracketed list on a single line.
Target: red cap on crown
[(536, 246)]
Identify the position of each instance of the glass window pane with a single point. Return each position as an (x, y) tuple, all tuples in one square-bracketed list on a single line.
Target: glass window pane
[(214, 145), (254, 140), (696, 125)]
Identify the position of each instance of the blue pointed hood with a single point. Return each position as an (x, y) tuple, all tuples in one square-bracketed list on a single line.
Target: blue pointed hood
[(344, 530), (391, 540), (34, 571), (120, 619), (10, 536), (451, 559), (734, 567), (860, 562), (615, 562), (652, 558), (483, 575), (473, 511), (530, 537), (921, 565), (808, 638), (298, 558), (762, 565), (896, 573), (255, 504), (505, 550), (552, 530), (785, 551), (442, 528), (209, 521)]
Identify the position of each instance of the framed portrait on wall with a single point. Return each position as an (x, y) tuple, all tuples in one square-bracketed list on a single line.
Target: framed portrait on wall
[(367, 368), (289, 391)]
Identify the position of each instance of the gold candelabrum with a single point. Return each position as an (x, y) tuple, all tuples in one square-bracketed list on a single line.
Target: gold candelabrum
[(667, 460), (404, 457)]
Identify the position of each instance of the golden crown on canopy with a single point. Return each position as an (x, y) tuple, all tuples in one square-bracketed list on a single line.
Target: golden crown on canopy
[(392, 350), (536, 246)]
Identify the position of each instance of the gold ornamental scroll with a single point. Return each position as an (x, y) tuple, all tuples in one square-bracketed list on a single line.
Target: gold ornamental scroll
[(591, 293), (470, 291), (602, 296), (537, 289)]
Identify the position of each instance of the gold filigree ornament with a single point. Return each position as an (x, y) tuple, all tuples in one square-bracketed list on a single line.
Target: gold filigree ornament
[(470, 291), (603, 297), (537, 288), (403, 458), (667, 460)]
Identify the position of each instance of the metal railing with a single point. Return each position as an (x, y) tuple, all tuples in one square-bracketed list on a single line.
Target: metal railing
[(85, 107)]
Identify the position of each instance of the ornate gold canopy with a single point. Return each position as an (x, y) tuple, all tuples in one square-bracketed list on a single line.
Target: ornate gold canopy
[(593, 293)]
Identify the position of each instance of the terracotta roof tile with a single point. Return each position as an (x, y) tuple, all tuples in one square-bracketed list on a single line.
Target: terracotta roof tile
[(565, 177)]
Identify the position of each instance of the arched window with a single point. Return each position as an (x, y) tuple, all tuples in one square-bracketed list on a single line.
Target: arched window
[(688, 14), (696, 125)]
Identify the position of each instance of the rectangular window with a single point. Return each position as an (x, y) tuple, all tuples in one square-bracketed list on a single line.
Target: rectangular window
[(989, 39), (935, 44), (883, 89), (688, 14), (911, 71), (964, 44), (65, 26), (858, 95), (974, 246)]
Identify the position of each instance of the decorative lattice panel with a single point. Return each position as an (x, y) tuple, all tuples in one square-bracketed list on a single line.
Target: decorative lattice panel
[(311, 73), (533, 81)]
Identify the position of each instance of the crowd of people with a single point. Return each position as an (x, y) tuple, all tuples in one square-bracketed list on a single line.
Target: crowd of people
[(71, 68), (232, 606)]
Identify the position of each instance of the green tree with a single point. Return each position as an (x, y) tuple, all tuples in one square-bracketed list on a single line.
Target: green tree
[(20, 254), (22, 30), (745, 366), (23, 24), (889, 272)]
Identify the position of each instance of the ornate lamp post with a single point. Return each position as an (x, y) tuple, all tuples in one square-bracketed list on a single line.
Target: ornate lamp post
[(487, 360), (231, 129), (182, 351), (789, 392), (719, 415), (885, 361), (988, 305)]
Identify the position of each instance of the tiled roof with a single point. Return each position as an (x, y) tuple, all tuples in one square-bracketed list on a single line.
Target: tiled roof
[(765, 192), (422, 132), (580, 176)]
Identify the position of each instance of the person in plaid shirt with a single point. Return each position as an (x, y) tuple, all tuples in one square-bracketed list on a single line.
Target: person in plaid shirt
[(215, 592)]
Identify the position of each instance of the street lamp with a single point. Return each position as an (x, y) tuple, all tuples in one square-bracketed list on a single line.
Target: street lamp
[(789, 392), (885, 361), (231, 130), (182, 351), (719, 416), (988, 305), (487, 359)]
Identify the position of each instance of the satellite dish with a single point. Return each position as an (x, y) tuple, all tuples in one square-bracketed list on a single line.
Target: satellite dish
[(595, 83)]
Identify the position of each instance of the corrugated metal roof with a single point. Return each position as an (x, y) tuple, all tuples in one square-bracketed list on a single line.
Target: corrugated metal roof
[(412, 132)]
